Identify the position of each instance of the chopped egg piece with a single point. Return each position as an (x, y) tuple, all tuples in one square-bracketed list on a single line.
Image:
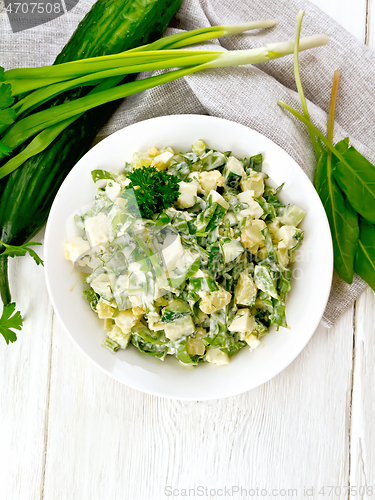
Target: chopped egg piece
[(217, 357), (162, 161), (188, 194), (97, 229), (209, 181), (75, 248)]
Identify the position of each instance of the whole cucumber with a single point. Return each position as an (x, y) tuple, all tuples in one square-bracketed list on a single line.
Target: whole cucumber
[(27, 194)]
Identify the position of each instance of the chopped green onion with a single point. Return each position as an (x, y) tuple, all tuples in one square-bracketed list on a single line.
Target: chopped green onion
[(110, 344)]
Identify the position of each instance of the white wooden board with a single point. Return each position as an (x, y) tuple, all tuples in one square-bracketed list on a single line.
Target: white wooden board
[(68, 431)]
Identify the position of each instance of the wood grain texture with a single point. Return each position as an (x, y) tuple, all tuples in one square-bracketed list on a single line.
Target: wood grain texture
[(361, 407), (362, 432), (105, 439), (370, 24), (350, 14), (69, 431), (24, 386)]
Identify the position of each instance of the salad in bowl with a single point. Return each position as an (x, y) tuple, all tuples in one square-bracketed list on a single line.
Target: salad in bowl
[(187, 253), (170, 238)]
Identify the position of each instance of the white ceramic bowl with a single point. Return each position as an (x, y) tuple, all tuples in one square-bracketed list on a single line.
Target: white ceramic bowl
[(306, 301)]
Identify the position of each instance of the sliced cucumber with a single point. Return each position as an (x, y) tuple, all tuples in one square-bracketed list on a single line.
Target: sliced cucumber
[(179, 328), (174, 310), (291, 215)]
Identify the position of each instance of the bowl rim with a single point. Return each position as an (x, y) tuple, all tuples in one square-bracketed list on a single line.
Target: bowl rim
[(131, 383)]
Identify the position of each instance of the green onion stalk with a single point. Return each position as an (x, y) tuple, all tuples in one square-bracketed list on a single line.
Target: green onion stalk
[(36, 86), (298, 81), (23, 77), (317, 138), (35, 79), (61, 115), (161, 49)]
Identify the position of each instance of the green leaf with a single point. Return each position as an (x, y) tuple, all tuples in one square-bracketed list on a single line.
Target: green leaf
[(4, 150), (158, 351), (365, 258), (182, 354), (233, 346), (278, 315), (269, 209), (284, 284), (216, 218), (266, 301), (163, 219), (6, 98), (212, 160), (203, 285), (92, 298), (170, 316), (255, 163), (176, 282), (215, 261), (343, 145), (321, 168), (174, 310), (264, 280), (218, 333), (147, 335), (356, 178), (180, 170), (271, 252), (343, 220), (204, 218), (101, 174), (7, 115), (20, 251), (9, 321)]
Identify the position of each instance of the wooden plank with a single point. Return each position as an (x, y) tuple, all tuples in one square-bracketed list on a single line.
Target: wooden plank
[(108, 441), (362, 432), (24, 386), (361, 406), (351, 15), (370, 24)]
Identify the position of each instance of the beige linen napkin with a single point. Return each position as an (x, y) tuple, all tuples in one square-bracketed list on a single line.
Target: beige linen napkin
[(247, 95)]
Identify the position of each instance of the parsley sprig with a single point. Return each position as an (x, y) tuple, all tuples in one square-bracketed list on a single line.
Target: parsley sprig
[(155, 190), (10, 320), (22, 250)]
